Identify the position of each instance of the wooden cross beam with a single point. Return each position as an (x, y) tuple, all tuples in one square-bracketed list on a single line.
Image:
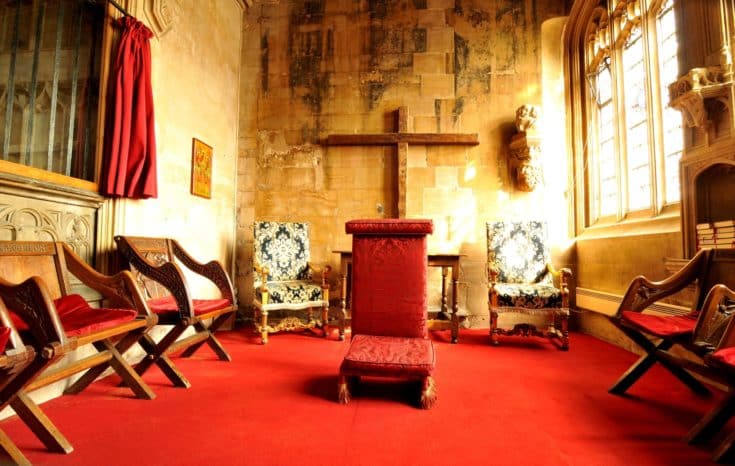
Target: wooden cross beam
[(401, 139)]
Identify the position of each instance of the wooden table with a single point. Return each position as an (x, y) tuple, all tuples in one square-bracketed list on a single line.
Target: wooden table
[(443, 260)]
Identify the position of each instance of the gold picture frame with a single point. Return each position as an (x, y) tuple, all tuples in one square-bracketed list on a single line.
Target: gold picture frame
[(201, 169)]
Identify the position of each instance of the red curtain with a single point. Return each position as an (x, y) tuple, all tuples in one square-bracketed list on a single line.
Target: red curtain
[(129, 168)]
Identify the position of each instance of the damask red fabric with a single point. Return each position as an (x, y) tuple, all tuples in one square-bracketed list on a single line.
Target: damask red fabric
[(167, 304), (129, 168), (389, 356), (4, 336), (390, 226), (389, 277), (662, 326)]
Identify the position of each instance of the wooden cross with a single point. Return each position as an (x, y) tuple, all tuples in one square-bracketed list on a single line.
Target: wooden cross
[(401, 139)]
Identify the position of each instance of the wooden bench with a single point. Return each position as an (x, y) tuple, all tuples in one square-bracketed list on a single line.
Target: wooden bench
[(155, 265), (35, 285)]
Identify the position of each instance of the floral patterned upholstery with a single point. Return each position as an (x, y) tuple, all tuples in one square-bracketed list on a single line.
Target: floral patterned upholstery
[(522, 278), (284, 276)]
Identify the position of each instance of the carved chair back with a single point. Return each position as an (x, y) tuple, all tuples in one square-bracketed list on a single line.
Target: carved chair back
[(156, 251), (283, 247), (519, 252)]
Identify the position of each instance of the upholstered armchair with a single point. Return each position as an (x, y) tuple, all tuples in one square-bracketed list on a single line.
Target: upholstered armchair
[(389, 306), (521, 281), (284, 279)]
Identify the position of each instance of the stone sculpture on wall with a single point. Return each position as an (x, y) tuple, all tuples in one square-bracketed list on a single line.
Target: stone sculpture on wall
[(525, 149)]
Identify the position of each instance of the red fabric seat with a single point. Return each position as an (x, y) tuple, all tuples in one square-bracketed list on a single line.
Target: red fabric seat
[(662, 326), (4, 336), (79, 318), (725, 356), (167, 304), (389, 356)]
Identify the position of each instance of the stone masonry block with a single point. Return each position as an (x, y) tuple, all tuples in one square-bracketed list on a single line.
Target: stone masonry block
[(437, 85), (430, 62), (439, 156), (425, 124), (440, 4), (440, 39), (446, 177), (432, 18), (416, 157)]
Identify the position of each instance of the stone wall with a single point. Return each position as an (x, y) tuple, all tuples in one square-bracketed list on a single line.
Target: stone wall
[(315, 68)]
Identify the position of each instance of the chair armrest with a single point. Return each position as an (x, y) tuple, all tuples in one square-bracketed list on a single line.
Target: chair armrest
[(212, 270), (262, 271), (119, 289), (167, 274), (32, 302), (643, 292), (324, 271), (492, 274)]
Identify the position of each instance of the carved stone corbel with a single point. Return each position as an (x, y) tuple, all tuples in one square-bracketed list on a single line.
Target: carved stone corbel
[(525, 150), (689, 93)]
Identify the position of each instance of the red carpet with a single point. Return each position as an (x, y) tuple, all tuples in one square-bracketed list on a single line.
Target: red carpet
[(522, 403)]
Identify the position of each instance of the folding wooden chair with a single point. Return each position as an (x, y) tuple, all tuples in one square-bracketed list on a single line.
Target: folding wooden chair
[(155, 265), (36, 288), (657, 334), (15, 357)]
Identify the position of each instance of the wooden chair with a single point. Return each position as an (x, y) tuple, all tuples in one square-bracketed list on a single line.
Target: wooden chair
[(286, 279), (657, 334), (155, 265), (35, 285), (521, 279), (389, 306), (719, 366), (15, 357)]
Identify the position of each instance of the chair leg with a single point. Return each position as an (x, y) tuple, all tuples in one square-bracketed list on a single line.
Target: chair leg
[(493, 328), (40, 424), (724, 449), (713, 421), (428, 392), (131, 378), (211, 340), (157, 355), (12, 451), (343, 390), (325, 320), (564, 333), (264, 327), (94, 372)]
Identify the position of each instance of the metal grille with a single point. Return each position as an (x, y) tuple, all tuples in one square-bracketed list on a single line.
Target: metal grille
[(50, 54)]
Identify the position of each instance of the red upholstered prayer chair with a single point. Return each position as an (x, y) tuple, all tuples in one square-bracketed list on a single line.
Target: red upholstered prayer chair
[(389, 305), (656, 334), (155, 265), (36, 285)]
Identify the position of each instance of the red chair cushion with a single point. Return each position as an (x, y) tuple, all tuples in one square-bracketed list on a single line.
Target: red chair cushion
[(725, 356), (662, 326), (77, 317), (4, 336), (389, 356), (167, 304)]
